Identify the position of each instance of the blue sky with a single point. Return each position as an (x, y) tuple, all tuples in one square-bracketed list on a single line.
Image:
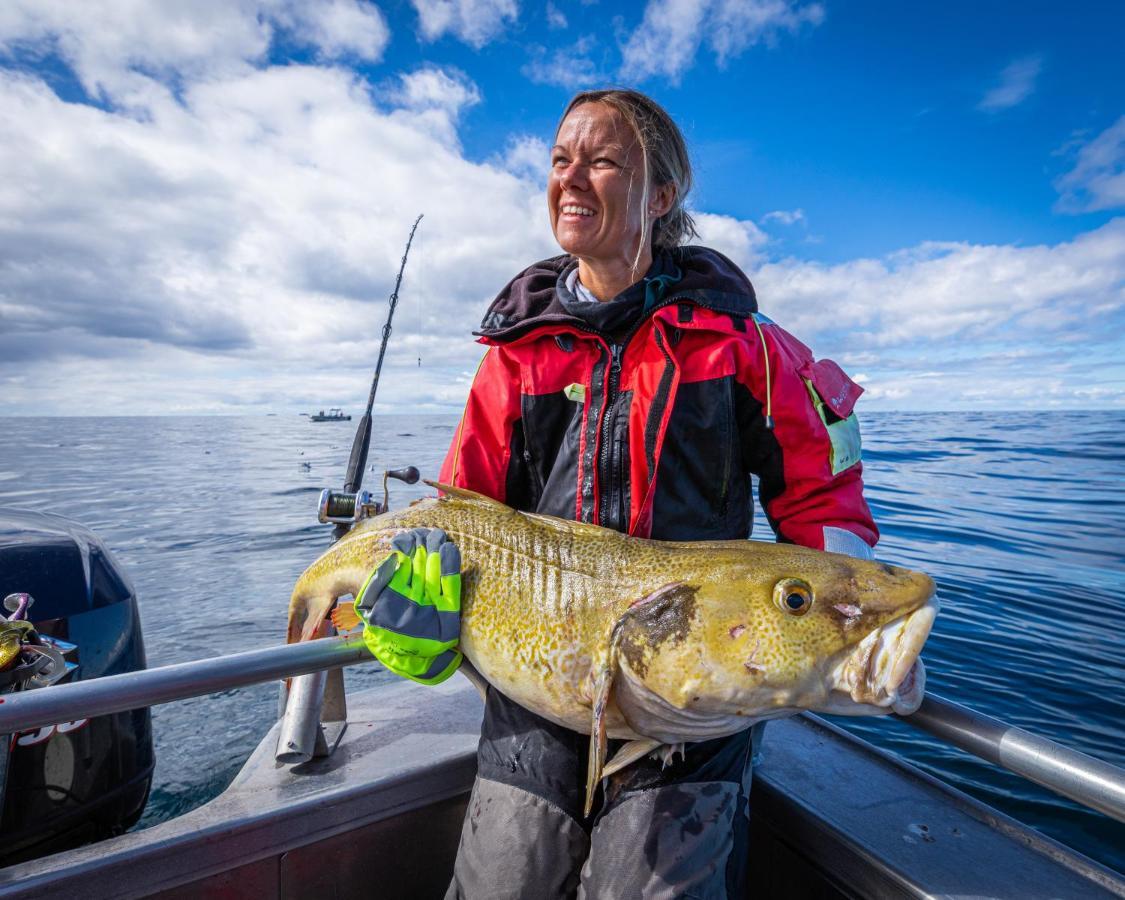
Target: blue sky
[(870, 121), (203, 204)]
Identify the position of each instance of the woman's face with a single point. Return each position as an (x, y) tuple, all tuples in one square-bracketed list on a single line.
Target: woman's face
[(594, 191)]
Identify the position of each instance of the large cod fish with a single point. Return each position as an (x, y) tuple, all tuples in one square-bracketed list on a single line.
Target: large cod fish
[(651, 641)]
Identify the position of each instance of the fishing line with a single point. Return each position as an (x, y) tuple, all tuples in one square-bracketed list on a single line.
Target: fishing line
[(358, 460)]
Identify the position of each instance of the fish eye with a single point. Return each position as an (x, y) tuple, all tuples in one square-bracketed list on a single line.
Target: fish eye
[(793, 596)]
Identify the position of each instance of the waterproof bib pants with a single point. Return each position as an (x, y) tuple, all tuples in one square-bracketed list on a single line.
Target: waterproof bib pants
[(679, 830)]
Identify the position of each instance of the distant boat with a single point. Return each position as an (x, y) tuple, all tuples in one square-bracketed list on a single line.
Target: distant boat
[(335, 414)]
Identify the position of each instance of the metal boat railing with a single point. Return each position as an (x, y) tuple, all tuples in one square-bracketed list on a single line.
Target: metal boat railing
[(1082, 778), (150, 687)]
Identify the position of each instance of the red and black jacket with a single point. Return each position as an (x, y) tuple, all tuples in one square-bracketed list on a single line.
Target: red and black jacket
[(658, 433)]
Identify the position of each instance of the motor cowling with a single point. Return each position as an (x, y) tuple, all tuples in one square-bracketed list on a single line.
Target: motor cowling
[(73, 782)]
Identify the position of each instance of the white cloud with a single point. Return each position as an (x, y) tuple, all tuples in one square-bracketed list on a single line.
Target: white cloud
[(737, 24), (569, 67), (556, 19), (432, 87), (1097, 180), (1017, 83), (957, 291), (785, 216), (236, 246), (1015, 322), (476, 22), (527, 156), (230, 246), (739, 239), (433, 98), (337, 28), (666, 41), (112, 45), (671, 32)]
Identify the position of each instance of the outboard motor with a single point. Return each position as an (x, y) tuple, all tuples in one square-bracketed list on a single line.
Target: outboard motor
[(73, 782)]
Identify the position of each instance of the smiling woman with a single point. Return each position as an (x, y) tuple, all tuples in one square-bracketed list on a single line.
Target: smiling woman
[(613, 194), (631, 383)]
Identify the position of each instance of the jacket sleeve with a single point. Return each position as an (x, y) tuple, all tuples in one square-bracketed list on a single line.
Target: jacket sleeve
[(486, 453), (809, 496)]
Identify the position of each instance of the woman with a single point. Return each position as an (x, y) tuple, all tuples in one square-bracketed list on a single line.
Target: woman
[(632, 384)]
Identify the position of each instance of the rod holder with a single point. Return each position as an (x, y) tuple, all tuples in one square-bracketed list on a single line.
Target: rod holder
[(315, 713), (300, 726)]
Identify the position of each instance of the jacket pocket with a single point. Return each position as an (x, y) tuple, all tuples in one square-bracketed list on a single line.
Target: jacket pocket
[(552, 424), (833, 395), (699, 494)]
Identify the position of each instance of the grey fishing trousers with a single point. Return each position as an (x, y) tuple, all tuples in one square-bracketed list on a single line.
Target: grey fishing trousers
[(675, 831)]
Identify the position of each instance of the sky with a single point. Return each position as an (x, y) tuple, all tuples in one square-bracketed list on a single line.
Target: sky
[(203, 205)]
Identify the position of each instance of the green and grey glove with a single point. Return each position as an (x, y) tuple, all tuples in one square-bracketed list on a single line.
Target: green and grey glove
[(411, 607)]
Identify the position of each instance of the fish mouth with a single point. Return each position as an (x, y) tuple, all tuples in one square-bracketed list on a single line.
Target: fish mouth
[(883, 673)]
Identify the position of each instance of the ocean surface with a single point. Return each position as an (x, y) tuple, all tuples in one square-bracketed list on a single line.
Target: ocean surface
[(1018, 516)]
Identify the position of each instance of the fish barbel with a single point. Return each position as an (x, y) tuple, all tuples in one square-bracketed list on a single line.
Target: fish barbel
[(655, 642)]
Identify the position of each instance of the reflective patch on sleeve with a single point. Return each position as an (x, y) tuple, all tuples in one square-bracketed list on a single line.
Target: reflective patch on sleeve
[(845, 446), (840, 540)]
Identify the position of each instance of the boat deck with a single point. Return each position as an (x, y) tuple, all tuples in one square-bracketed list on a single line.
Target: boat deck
[(832, 817)]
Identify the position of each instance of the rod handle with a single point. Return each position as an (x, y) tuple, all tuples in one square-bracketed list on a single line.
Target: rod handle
[(358, 459)]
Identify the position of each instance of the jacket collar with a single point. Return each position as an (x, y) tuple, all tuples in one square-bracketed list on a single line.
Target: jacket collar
[(531, 300)]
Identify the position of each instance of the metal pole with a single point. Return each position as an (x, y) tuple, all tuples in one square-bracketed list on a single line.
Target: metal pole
[(133, 690), (1084, 779), (297, 741)]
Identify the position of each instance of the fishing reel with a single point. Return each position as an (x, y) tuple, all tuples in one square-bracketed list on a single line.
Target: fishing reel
[(349, 507)]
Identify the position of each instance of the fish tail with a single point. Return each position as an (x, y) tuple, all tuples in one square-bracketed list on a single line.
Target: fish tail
[(315, 594)]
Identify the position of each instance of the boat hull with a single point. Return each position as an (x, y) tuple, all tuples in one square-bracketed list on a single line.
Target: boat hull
[(850, 821)]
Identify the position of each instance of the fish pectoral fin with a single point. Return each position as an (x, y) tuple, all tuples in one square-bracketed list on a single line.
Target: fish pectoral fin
[(637, 626), (344, 616), (629, 754), (603, 686), (603, 675)]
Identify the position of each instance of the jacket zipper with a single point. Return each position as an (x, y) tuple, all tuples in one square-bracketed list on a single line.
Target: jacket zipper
[(605, 454), (724, 494), (611, 499), (536, 478)]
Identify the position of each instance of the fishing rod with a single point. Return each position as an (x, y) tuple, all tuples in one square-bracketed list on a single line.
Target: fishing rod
[(345, 508)]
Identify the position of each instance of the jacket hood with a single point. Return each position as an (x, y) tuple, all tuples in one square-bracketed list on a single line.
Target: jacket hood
[(530, 300)]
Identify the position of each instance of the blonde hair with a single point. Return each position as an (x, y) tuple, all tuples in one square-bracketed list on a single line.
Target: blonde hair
[(665, 156)]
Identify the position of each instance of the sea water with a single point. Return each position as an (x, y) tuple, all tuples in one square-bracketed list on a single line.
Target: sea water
[(1018, 516)]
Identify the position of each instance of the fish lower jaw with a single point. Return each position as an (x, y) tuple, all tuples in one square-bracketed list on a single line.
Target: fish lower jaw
[(884, 673), (911, 690)]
